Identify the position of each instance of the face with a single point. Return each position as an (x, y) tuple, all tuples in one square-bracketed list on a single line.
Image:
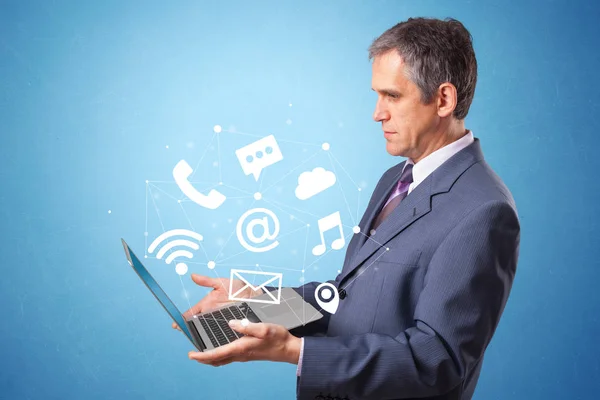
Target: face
[(408, 125)]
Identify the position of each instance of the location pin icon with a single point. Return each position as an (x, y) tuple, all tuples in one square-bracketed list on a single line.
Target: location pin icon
[(327, 297)]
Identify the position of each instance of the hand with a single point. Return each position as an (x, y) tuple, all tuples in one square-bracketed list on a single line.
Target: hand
[(218, 297), (263, 341)]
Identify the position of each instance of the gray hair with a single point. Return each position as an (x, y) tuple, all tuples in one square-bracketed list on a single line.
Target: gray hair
[(434, 51)]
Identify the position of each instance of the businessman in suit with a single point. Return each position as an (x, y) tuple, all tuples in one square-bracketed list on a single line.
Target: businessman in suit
[(426, 280)]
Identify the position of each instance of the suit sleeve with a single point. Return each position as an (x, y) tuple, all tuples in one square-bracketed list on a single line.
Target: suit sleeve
[(466, 287)]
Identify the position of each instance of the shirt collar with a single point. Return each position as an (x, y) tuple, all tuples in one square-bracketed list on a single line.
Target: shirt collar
[(427, 165)]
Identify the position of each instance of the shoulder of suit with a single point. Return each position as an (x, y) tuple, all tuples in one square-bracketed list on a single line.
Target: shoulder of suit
[(481, 179)]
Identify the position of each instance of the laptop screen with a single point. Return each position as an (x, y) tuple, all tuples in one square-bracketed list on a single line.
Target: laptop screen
[(156, 290)]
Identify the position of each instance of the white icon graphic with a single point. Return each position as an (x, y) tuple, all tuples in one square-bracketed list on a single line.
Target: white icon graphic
[(181, 173), (258, 155), (313, 182), (327, 297), (180, 268), (250, 228), (326, 223), (266, 278)]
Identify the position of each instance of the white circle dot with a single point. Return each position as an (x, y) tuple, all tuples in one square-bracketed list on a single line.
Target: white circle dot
[(356, 229), (217, 128), (109, 211), (215, 164), (245, 322), (145, 233), (290, 104), (339, 271), (147, 181), (257, 196), (179, 201), (326, 293), (289, 121), (325, 146), (256, 265), (167, 146), (221, 183), (181, 268), (211, 265), (359, 189), (145, 255), (372, 231), (302, 271), (387, 249), (308, 225)]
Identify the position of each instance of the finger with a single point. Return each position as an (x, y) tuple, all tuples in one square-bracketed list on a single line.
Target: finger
[(196, 309), (220, 353), (204, 305), (175, 326), (205, 281), (225, 361), (258, 330)]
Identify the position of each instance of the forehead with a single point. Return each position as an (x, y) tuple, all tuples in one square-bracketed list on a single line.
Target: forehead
[(388, 71)]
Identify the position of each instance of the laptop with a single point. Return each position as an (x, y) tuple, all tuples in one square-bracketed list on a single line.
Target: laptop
[(211, 329)]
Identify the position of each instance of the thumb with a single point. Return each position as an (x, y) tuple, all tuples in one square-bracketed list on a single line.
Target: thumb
[(258, 330), (205, 281)]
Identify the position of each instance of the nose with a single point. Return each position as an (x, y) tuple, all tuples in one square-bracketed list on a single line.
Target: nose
[(381, 113)]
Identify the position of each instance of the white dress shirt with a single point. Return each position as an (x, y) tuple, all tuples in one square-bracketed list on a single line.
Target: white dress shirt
[(427, 165), (421, 170)]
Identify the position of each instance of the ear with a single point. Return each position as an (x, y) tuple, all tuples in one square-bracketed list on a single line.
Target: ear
[(447, 98)]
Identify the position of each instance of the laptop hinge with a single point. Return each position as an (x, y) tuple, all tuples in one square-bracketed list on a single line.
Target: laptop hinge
[(194, 331)]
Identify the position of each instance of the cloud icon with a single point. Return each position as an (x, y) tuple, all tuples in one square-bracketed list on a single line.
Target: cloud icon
[(313, 182)]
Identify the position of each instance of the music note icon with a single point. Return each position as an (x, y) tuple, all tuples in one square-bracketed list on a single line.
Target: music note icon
[(326, 223)]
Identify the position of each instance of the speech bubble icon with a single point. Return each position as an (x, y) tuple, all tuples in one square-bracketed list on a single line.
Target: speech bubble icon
[(327, 297), (258, 155)]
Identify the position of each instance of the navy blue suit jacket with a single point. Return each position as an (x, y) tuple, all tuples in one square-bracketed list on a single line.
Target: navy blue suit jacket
[(423, 296)]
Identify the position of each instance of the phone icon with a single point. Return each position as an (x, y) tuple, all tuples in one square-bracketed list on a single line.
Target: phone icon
[(181, 173)]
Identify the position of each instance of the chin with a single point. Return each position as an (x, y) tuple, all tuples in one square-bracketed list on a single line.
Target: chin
[(395, 150)]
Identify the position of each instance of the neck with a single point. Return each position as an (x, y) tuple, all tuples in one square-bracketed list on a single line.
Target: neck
[(440, 139)]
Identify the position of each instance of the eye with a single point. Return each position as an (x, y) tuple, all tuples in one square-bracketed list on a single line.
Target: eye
[(393, 96)]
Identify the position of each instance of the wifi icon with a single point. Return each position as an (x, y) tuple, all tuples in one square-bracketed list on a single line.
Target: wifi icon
[(181, 268)]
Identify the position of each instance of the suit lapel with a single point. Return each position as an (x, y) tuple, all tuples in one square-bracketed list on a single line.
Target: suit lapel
[(414, 206)]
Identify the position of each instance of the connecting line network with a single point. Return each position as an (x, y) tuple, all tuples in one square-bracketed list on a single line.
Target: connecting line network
[(176, 245)]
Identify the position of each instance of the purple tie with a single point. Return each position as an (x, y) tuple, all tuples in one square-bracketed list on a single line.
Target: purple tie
[(397, 196)]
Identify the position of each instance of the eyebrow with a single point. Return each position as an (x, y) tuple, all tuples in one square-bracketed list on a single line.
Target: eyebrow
[(387, 92)]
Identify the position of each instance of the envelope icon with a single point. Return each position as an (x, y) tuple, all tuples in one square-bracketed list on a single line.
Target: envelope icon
[(256, 280)]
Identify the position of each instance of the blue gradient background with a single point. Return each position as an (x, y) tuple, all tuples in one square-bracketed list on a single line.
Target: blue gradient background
[(91, 93)]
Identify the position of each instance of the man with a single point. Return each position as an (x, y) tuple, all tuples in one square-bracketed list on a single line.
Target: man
[(425, 282)]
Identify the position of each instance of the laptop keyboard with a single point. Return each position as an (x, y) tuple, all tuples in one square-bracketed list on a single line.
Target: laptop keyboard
[(216, 323)]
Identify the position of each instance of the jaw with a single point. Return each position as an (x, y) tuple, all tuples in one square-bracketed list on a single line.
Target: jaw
[(396, 149)]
